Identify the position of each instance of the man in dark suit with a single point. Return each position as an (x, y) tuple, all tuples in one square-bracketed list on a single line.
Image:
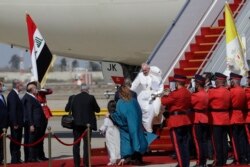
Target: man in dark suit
[(15, 113), (83, 106), (3, 118), (34, 121)]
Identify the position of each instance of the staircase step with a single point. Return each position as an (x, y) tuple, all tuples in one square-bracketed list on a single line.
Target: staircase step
[(165, 131), (196, 55), (211, 30), (212, 35), (165, 147), (162, 137), (239, 1), (221, 22), (205, 44), (234, 6), (187, 63), (196, 60), (191, 68), (205, 39), (201, 52), (185, 72), (198, 47)]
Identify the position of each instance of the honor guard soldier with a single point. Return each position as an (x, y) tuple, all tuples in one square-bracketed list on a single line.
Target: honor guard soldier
[(178, 103), (200, 129), (237, 130), (209, 83), (247, 117), (219, 106), (41, 97), (208, 80)]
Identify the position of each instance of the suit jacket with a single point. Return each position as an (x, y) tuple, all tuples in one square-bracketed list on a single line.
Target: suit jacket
[(3, 114), (83, 109), (33, 111), (15, 109)]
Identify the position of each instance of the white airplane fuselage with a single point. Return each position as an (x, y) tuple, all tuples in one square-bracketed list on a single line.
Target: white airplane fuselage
[(124, 31)]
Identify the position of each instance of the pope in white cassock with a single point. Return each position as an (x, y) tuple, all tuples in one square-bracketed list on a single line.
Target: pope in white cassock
[(148, 85)]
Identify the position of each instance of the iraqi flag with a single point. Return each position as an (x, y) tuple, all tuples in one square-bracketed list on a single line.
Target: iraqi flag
[(41, 57), (234, 49)]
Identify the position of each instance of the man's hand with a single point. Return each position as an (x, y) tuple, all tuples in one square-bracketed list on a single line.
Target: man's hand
[(166, 92)]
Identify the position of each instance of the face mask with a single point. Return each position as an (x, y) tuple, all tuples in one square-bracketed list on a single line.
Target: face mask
[(3, 89), (213, 83), (192, 89), (172, 86)]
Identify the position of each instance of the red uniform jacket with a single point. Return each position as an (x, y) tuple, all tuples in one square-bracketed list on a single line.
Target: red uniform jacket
[(247, 115), (199, 102), (178, 101), (238, 102), (219, 106), (41, 97)]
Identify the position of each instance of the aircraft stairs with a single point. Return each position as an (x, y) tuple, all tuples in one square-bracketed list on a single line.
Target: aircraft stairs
[(199, 51)]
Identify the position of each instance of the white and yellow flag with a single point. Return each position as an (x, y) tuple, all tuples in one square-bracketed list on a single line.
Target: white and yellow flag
[(235, 54)]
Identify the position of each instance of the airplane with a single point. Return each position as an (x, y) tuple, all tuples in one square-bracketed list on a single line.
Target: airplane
[(120, 31)]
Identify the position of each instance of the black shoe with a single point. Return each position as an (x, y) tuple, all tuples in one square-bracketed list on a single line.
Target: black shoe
[(16, 162), (21, 161), (43, 159), (33, 160)]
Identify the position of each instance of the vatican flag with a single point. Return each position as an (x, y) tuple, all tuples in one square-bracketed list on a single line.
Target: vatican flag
[(235, 54)]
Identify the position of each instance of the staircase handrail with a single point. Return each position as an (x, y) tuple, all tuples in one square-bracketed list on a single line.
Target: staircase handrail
[(160, 43), (217, 40), (167, 73)]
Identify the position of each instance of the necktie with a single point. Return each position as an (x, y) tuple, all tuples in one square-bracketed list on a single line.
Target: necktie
[(3, 100)]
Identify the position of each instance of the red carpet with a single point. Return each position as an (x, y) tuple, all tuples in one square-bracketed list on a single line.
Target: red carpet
[(101, 161), (97, 161)]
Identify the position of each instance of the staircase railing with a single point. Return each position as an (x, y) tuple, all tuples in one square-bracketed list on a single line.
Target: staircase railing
[(181, 53), (215, 45)]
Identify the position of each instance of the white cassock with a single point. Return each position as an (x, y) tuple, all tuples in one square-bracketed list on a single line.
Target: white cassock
[(112, 136), (146, 86)]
